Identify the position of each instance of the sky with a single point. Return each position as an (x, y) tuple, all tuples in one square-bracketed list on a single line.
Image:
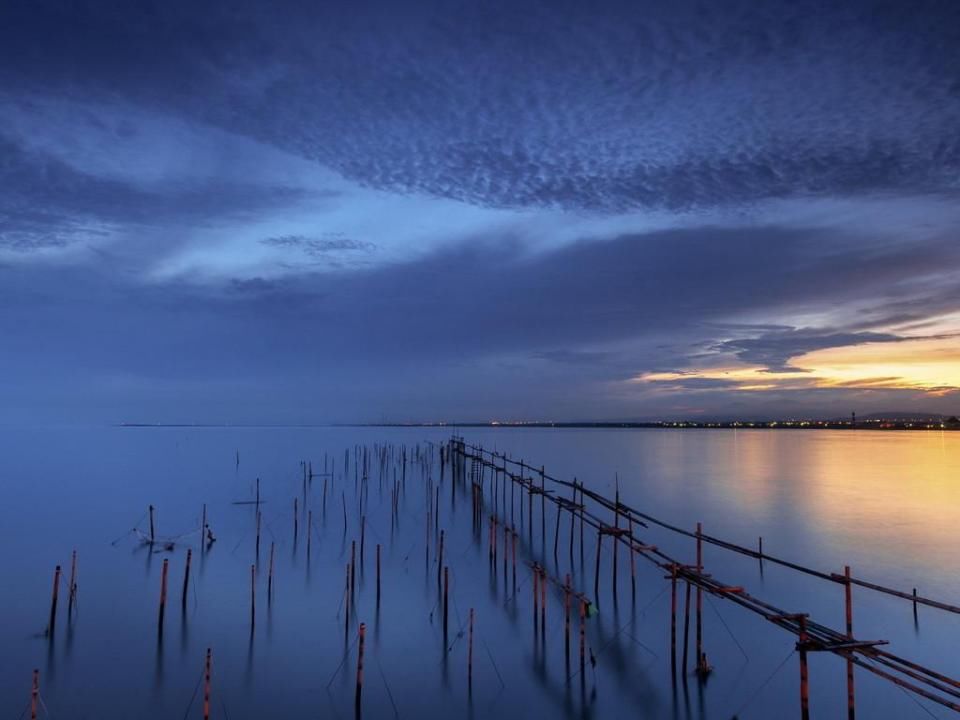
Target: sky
[(309, 212)]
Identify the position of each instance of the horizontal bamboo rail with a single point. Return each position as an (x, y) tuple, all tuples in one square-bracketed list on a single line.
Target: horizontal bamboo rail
[(812, 636)]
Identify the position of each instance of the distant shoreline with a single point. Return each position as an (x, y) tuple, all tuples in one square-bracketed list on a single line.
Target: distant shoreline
[(888, 425)]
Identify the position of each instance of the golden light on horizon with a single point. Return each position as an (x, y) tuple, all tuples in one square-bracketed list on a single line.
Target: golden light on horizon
[(929, 365)]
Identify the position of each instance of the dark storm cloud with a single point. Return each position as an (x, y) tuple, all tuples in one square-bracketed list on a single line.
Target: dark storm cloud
[(606, 105)]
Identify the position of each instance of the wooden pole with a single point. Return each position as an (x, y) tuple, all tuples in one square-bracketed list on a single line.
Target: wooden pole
[(686, 632), (309, 530), (596, 571), (536, 596), (804, 678), (270, 575), (353, 566), (513, 552), (378, 574), (152, 535), (543, 602), (470, 652), (446, 588), (633, 563), (346, 603), (701, 666), (72, 587), (363, 538), (258, 534), (581, 524), (566, 619), (206, 687), (556, 532), (583, 634), (848, 592), (543, 512), (253, 596), (35, 695), (673, 620), (491, 543), (186, 580), (163, 593), (363, 631), (439, 557), (616, 540)]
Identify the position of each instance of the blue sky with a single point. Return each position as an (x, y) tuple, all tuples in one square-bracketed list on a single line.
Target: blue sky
[(310, 212)]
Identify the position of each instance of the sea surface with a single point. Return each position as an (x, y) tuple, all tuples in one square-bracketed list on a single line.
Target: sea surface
[(885, 503)]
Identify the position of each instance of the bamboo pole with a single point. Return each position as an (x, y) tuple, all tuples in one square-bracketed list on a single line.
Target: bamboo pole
[(491, 543), (536, 596), (72, 587), (270, 575), (543, 602), (848, 597), (253, 596), (309, 530), (581, 524), (346, 603), (439, 557), (596, 571), (686, 632), (206, 687), (513, 552), (566, 619), (53, 601), (543, 511), (556, 532), (363, 539), (35, 695), (673, 620), (378, 574), (446, 588), (616, 539), (583, 635), (701, 665), (152, 535), (470, 652), (804, 677), (186, 580), (257, 551), (359, 691), (163, 593), (353, 567)]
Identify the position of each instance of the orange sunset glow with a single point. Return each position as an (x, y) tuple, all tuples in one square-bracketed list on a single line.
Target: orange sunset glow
[(930, 365)]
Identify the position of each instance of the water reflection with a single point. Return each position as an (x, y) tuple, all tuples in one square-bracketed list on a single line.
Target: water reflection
[(885, 504)]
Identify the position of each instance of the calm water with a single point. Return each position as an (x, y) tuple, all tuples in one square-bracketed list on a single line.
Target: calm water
[(884, 503)]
